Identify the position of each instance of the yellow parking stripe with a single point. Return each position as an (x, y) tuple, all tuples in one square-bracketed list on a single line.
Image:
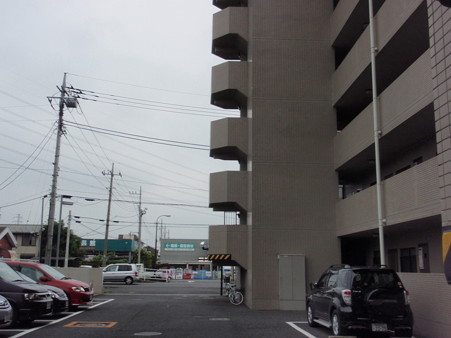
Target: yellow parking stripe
[(91, 324)]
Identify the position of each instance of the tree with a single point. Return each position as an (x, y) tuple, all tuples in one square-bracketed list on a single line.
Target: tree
[(146, 257), (74, 244)]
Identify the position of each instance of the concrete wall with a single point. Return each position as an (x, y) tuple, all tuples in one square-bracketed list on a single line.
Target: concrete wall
[(92, 276), (439, 32), (430, 298), (293, 187)]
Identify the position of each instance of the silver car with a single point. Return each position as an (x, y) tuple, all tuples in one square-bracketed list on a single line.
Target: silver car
[(6, 312), (121, 272)]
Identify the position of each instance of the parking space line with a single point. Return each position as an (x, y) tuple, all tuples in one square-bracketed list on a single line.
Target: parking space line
[(58, 320), (297, 328)]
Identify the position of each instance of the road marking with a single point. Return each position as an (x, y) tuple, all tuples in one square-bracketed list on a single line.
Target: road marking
[(91, 324), (297, 328), (58, 320)]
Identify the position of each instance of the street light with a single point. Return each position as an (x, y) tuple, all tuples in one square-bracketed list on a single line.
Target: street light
[(156, 238)]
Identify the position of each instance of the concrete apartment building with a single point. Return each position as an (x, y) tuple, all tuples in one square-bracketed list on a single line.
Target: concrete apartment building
[(306, 191)]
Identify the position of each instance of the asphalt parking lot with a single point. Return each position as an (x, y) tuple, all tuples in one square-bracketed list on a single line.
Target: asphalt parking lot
[(176, 309)]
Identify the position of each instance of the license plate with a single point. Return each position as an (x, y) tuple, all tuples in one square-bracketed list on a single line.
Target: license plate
[(379, 327), (49, 305)]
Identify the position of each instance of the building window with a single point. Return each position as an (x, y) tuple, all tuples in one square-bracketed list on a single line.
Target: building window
[(408, 260), (28, 240)]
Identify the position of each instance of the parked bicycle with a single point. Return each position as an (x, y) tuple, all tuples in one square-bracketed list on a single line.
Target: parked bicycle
[(235, 296)]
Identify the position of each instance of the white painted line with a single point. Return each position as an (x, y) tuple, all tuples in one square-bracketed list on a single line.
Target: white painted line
[(58, 320), (297, 328)]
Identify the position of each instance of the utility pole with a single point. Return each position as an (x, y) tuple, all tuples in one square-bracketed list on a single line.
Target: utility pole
[(48, 249), (105, 243), (141, 213)]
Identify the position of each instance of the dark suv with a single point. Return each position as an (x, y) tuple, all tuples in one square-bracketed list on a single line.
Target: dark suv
[(360, 298)]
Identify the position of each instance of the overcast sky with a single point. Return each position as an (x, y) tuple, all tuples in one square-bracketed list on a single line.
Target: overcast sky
[(148, 66)]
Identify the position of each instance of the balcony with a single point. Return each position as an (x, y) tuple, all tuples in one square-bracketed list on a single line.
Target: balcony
[(403, 122), (228, 191), (229, 3), (228, 140), (411, 195), (229, 239), (400, 43), (229, 85), (230, 27)]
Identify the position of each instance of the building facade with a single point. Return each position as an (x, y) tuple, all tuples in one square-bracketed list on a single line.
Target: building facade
[(27, 237), (308, 143), (184, 253)]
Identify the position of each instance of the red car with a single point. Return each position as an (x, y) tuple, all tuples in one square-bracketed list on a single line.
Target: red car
[(79, 293)]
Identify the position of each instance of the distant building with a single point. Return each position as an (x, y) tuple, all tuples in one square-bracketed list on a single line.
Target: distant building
[(121, 247), (7, 243), (27, 237), (184, 253)]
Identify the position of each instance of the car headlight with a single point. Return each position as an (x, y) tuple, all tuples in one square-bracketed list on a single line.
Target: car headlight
[(53, 294), (31, 296), (3, 303), (78, 289)]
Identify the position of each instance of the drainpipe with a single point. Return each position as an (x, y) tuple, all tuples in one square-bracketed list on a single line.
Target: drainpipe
[(377, 135)]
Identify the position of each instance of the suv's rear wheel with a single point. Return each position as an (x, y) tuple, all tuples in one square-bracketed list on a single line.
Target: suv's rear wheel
[(337, 328), (128, 280), (310, 320)]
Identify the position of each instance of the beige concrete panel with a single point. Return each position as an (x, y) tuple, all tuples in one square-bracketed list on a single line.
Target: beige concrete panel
[(91, 276), (229, 187), (232, 20), (321, 249), (358, 135), (412, 194), (230, 239), (292, 69), (357, 213), (294, 196), (340, 15), (430, 298), (293, 131), (217, 239), (391, 16), (229, 132), (352, 66), (394, 110), (229, 75), (295, 19)]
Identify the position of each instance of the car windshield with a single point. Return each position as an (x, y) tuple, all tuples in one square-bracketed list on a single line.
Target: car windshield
[(8, 274), (376, 279), (52, 272)]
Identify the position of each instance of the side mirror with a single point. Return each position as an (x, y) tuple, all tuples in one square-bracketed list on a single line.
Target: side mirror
[(43, 279), (313, 285)]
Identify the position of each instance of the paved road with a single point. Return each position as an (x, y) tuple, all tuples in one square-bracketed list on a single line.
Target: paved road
[(176, 309)]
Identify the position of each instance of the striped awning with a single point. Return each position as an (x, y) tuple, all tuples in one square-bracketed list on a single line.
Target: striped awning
[(219, 257)]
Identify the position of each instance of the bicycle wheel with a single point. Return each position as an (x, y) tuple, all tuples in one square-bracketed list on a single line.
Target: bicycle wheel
[(236, 298)]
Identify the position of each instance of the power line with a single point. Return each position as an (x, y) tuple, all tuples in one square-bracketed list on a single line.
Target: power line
[(22, 166), (138, 137), (128, 99), (138, 86), (149, 108)]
